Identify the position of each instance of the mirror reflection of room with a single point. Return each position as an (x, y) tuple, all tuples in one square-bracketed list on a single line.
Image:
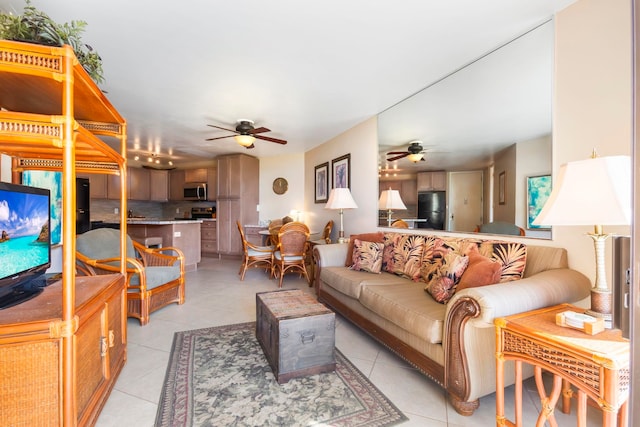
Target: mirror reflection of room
[(464, 152)]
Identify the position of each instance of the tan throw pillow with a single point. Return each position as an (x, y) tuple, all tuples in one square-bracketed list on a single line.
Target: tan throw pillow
[(368, 237), (481, 271), (367, 256), (443, 285)]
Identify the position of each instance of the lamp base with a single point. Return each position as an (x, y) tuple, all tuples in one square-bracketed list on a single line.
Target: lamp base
[(601, 302), (341, 238)]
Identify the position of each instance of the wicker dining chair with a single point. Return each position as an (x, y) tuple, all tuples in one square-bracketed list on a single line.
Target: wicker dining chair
[(155, 277), (254, 255), (291, 253), (398, 223)]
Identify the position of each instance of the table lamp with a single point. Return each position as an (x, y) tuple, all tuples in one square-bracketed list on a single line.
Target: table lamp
[(596, 191), (340, 198), (390, 200)]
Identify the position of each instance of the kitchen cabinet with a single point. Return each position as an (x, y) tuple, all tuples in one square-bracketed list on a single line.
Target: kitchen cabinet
[(97, 185), (158, 185), (138, 188), (209, 238), (62, 351), (432, 181), (238, 185), (409, 191), (176, 185), (195, 175), (406, 188)]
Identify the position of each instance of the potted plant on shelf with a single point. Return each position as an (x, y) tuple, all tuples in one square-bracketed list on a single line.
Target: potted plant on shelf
[(35, 26)]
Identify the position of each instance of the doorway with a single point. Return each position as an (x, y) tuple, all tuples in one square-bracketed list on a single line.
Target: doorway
[(465, 200)]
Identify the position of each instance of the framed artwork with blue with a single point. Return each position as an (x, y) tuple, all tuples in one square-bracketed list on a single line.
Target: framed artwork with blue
[(53, 182), (538, 191)]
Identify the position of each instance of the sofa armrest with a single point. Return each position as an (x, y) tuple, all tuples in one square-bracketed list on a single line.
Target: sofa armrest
[(469, 331), (544, 289), (332, 255)]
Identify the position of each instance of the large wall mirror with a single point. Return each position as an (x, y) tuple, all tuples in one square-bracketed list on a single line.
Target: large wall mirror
[(485, 138)]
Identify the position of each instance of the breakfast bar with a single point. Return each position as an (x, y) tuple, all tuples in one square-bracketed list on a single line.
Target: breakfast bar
[(181, 234)]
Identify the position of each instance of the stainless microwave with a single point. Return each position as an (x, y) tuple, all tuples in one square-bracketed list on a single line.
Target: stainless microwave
[(195, 191)]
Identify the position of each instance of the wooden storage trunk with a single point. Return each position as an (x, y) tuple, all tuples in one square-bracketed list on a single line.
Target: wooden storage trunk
[(296, 332)]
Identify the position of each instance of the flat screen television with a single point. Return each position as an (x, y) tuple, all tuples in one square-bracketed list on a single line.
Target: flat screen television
[(25, 248)]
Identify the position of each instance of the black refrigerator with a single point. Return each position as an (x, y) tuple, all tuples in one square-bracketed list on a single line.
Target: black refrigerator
[(83, 217), (432, 207)]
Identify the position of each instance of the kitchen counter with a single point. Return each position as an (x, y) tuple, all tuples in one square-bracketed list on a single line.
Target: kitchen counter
[(162, 221)]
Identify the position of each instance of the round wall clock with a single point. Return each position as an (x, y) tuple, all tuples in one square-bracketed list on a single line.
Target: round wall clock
[(280, 185)]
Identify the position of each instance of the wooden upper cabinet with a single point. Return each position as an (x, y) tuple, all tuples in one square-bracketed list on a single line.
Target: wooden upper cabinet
[(97, 184), (195, 175), (113, 187), (159, 185), (432, 181), (409, 191), (212, 184), (139, 188), (176, 185)]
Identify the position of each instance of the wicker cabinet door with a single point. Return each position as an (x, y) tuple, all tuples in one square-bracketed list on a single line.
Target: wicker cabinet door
[(91, 363)]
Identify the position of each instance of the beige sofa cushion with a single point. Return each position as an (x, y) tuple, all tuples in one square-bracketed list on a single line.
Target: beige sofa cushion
[(350, 282), (408, 306)]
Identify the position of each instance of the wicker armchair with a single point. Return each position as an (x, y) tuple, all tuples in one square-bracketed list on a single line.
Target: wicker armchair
[(398, 223), (291, 253), (254, 255), (154, 278)]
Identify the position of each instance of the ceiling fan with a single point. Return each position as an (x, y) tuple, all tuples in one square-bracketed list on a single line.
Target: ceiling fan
[(414, 152), (245, 134)]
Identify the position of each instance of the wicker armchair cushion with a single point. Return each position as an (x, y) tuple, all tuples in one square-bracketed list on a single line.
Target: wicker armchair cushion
[(103, 243), (157, 276)]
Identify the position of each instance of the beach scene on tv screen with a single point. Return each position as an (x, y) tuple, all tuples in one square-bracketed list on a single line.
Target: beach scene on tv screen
[(24, 231)]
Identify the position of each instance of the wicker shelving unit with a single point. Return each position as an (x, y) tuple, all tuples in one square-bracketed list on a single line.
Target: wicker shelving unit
[(61, 352)]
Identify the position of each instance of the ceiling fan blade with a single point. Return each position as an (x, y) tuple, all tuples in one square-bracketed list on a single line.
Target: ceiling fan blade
[(397, 152), (219, 137), (266, 138), (398, 157), (261, 129), (218, 127)]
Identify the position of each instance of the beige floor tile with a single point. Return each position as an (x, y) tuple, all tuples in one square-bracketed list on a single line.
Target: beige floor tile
[(216, 296)]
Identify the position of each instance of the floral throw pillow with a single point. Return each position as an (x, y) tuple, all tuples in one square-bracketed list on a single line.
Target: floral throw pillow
[(367, 256), (443, 284), (390, 242), (511, 255), (407, 256), (435, 250)]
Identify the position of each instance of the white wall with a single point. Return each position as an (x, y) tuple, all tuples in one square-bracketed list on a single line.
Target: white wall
[(592, 106), (291, 167), (362, 143)]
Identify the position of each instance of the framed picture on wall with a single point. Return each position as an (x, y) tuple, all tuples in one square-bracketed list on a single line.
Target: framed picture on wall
[(501, 190), (321, 183), (341, 171), (538, 191)]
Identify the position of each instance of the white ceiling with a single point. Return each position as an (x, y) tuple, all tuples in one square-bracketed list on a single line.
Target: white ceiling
[(308, 71)]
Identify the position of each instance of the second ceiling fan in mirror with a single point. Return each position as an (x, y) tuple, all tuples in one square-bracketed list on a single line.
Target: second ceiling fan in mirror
[(245, 134), (415, 153)]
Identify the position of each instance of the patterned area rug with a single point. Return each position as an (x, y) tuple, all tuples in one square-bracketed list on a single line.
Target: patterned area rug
[(220, 377)]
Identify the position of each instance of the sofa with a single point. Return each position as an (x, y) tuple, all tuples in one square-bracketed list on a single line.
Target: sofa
[(410, 292)]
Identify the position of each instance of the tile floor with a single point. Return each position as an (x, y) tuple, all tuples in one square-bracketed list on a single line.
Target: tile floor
[(216, 296)]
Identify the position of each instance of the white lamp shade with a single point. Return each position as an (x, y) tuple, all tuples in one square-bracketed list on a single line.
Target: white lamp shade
[(245, 140), (390, 199), (595, 191), (340, 198)]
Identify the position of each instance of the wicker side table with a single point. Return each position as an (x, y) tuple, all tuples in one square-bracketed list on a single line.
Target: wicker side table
[(596, 365)]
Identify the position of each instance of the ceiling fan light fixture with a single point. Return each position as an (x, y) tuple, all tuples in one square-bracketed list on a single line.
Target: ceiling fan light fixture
[(245, 140), (415, 157)]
